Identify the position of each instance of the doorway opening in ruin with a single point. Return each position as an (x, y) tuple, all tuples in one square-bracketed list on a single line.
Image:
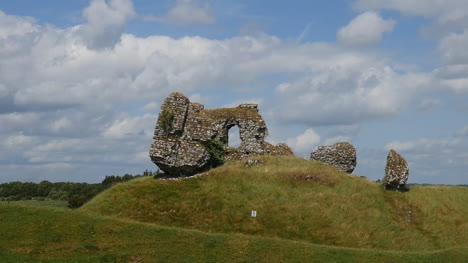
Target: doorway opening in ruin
[(234, 137)]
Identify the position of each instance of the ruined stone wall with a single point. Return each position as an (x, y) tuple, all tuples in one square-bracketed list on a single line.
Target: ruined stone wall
[(179, 149)]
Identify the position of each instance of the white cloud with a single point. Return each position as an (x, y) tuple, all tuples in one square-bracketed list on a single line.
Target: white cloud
[(150, 107), (427, 8), (453, 48), (428, 104), (448, 15), (365, 29), (304, 143), (11, 26), (450, 25), (454, 73), (105, 22), (451, 71), (16, 142), (15, 121), (188, 12), (462, 132), (61, 125), (131, 126), (67, 74), (349, 94), (424, 145)]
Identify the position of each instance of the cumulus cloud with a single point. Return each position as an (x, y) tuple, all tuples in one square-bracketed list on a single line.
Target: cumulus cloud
[(72, 100), (453, 48), (454, 73), (12, 26), (304, 143), (187, 12), (105, 22), (447, 15), (365, 29), (426, 8), (349, 94)]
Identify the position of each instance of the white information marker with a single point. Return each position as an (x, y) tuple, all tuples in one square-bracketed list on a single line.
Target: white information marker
[(254, 213)]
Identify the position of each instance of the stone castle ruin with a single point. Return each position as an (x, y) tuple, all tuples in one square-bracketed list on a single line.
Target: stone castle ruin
[(184, 129)]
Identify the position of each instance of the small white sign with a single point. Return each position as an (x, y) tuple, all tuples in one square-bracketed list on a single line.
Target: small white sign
[(254, 213)]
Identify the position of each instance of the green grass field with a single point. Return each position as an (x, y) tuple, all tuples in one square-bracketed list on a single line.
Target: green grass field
[(306, 212), (299, 200), (43, 234), (48, 202)]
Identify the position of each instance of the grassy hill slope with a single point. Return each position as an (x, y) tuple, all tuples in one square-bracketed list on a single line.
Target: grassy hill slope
[(42, 234), (299, 200)]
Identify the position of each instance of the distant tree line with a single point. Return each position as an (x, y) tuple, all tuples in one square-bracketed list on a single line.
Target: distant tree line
[(75, 193), (416, 184)]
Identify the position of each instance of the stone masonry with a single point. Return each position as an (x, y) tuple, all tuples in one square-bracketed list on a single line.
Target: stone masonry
[(396, 172), (184, 128), (342, 155)]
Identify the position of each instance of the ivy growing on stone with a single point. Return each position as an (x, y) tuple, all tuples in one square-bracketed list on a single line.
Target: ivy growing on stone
[(165, 119), (217, 153)]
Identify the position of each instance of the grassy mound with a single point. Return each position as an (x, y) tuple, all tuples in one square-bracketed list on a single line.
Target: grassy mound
[(299, 200), (42, 234)]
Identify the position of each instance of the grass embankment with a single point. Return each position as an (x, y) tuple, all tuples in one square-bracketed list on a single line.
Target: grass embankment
[(299, 200), (44, 234)]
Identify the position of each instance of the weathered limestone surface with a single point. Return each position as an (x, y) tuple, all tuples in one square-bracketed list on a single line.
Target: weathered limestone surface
[(342, 155), (179, 148), (396, 172)]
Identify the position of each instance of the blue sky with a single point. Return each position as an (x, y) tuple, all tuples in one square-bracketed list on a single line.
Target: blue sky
[(81, 82)]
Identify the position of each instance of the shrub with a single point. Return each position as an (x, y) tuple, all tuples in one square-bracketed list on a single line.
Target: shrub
[(78, 200), (217, 153), (165, 119)]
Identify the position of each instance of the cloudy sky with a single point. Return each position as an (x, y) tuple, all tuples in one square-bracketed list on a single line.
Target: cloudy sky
[(81, 82)]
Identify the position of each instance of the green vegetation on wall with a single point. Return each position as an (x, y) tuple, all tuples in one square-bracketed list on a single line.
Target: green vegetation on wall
[(217, 153), (165, 119)]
